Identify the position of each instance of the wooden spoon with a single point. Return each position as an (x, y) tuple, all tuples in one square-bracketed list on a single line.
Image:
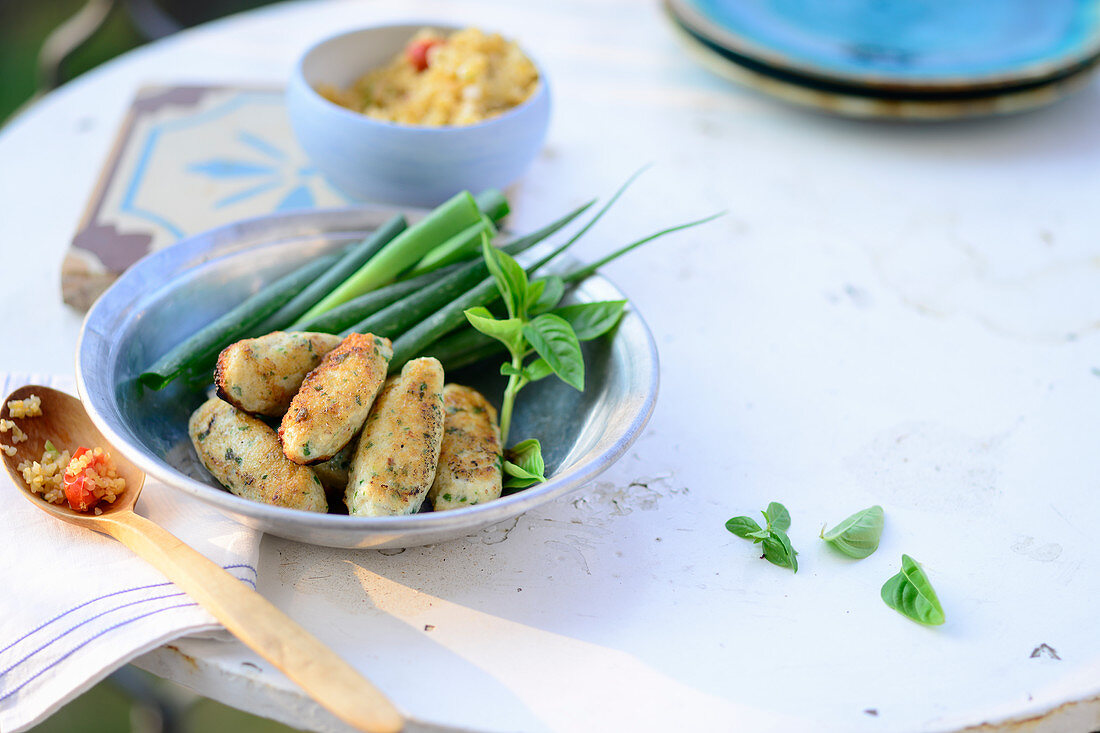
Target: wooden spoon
[(327, 678)]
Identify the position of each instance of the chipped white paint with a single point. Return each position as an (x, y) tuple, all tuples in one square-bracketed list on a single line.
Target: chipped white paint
[(893, 314)]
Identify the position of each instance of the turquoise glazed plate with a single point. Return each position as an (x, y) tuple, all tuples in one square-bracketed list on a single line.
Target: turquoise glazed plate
[(929, 46), (879, 106)]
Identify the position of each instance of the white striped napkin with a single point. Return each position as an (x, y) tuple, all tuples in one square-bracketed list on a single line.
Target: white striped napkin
[(79, 605)]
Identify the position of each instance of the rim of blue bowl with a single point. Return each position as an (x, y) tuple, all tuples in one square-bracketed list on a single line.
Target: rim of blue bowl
[(542, 88)]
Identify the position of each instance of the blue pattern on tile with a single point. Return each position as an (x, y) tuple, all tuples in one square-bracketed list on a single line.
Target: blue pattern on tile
[(274, 173)]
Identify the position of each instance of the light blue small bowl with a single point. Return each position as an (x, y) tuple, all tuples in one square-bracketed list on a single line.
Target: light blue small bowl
[(404, 164)]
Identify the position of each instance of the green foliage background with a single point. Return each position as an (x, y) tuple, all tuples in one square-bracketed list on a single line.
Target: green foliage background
[(25, 24)]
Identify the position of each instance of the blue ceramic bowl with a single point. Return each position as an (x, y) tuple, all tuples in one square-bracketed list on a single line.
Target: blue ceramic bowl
[(404, 164)]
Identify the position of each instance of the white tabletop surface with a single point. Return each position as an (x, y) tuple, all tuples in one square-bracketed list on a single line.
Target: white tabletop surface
[(897, 314)]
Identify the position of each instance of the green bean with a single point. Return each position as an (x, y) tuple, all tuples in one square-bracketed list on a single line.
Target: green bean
[(463, 347), (451, 316), (462, 246), (203, 345), (492, 203), (356, 309), (427, 330), (404, 250), (393, 319), (352, 259), (441, 322), (583, 272)]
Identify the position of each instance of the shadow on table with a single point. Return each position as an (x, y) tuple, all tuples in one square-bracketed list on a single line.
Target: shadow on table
[(514, 611)]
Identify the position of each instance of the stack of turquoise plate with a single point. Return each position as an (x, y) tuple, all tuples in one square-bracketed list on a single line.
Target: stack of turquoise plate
[(916, 59)]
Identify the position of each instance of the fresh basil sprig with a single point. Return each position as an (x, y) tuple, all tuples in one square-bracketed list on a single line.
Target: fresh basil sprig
[(858, 535), (911, 594), (536, 328), (772, 537)]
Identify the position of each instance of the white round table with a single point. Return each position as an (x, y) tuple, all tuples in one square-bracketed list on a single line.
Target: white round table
[(906, 315)]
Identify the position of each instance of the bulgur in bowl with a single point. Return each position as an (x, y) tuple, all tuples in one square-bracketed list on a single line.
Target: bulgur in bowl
[(415, 141)]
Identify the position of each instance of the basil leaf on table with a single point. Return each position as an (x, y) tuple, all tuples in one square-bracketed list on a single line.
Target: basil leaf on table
[(776, 543), (911, 594), (742, 526), (778, 550), (778, 517), (554, 340), (858, 535)]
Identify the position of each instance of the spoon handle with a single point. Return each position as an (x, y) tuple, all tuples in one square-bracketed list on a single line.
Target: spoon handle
[(327, 678)]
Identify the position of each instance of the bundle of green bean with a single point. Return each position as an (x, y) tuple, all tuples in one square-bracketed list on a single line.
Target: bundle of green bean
[(378, 259), (405, 251), (412, 285)]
